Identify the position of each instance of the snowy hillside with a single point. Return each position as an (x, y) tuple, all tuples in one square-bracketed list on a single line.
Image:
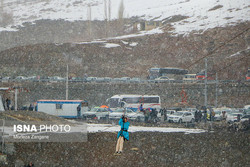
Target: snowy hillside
[(201, 14)]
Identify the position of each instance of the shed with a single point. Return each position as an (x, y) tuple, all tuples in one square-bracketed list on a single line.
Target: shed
[(62, 108)]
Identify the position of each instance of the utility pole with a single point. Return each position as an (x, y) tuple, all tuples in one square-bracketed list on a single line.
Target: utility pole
[(16, 91), (3, 136), (216, 92), (205, 101), (67, 82)]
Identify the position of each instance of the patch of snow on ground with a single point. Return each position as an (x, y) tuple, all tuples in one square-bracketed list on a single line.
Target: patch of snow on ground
[(111, 45), (133, 44), (124, 42), (93, 128), (91, 42), (141, 33), (239, 52)]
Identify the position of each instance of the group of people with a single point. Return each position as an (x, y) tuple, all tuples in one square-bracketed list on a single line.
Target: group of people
[(149, 113), (199, 116), (7, 104)]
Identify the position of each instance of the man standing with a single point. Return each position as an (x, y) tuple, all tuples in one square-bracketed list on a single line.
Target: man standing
[(122, 134), (8, 102), (79, 111)]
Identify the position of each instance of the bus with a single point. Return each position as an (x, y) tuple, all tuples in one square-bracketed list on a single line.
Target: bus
[(167, 71), (248, 75), (134, 102)]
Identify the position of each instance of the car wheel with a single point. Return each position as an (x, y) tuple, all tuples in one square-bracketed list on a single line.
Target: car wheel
[(192, 120), (180, 121), (138, 119)]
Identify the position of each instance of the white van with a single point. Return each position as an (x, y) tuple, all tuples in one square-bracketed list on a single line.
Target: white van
[(189, 77)]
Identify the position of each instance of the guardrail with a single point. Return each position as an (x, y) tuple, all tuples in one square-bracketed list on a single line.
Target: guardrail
[(122, 81)]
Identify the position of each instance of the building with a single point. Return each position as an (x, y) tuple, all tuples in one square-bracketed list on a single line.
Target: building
[(62, 108)]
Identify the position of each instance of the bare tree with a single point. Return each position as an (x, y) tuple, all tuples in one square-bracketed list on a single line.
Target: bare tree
[(121, 17), (107, 16), (89, 21), (121, 10), (109, 10), (5, 18), (105, 10), (1, 7)]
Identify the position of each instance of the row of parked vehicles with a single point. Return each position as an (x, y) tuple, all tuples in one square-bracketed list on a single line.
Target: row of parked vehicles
[(185, 115), (105, 114), (231, 115), (162, 79)]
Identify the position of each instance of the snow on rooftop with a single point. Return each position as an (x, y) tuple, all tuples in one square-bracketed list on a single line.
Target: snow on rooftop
[(200, 14)]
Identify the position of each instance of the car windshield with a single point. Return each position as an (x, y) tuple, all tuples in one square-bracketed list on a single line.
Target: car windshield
[(94, 109), (129, 111), (178, 113), (102, 110), (119, 110), (235, 114), (246, 116), (217, 112)]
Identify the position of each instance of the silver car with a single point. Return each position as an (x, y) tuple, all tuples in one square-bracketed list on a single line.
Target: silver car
[(96, 113)]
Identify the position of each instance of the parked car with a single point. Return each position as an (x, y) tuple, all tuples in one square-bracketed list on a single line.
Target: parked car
[(137, 116), (164, 79), (245, 118), (100, 79), (135, 80), (189, 78), (117, 114), (96, 113), (232, 117), (32, 78), (181, 116), (6, 79), (91, 79), (20, 78), (125, 79), (107, 79), (116, 80), (218, 116)]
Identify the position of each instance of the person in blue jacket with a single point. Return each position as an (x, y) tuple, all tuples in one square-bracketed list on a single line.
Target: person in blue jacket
[(122, 134)]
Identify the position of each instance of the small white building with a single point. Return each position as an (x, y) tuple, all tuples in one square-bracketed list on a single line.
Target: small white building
[(62, 108), (1, 104)]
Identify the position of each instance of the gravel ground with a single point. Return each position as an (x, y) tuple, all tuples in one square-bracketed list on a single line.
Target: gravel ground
[(215, 148), (154, 149)]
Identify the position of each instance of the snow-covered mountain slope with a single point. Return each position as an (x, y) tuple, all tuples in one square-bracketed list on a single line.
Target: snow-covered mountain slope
[(200, 14)]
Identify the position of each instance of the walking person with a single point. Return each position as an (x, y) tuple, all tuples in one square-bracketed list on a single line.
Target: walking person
[(147, 114), (205, 116), (196, 116), (123, 134), (78, 111), (212, 115), (8, 102), (199, 116)]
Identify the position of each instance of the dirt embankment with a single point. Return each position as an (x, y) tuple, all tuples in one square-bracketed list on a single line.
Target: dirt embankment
[(155, 149)]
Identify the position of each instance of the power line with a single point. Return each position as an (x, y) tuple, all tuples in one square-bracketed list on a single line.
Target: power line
[(209, 54)]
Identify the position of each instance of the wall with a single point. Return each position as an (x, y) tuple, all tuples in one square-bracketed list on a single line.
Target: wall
[(229, 94)]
